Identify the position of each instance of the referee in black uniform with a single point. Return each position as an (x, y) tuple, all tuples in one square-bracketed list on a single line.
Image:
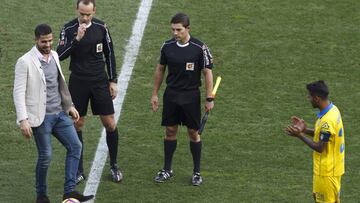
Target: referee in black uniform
[(87, 40), (186, 58)]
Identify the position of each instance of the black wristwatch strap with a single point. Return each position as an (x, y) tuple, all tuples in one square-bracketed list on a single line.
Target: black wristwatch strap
[(113, 80), (209, 99)]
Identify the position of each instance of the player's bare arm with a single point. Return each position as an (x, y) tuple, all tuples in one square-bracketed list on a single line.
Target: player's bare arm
[(309, 131), (158, 78), (317, 146), (209, 87)]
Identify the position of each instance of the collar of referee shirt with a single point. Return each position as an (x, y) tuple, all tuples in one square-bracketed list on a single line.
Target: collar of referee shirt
[(182, 45)]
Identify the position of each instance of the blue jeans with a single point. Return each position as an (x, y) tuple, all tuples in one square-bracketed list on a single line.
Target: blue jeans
[(62, 127)]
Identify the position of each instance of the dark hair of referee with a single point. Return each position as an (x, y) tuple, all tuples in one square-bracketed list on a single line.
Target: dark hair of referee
[(181, 18)]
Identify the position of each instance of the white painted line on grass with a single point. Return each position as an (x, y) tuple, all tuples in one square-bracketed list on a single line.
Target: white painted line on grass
[(131, 52)]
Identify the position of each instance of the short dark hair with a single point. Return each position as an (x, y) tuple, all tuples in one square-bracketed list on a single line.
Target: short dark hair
[(318, 88), (181, 18), (85, 2), (42, 29)]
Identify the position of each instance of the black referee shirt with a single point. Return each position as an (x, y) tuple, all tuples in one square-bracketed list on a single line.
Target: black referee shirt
[(185, 63), (87, 55)]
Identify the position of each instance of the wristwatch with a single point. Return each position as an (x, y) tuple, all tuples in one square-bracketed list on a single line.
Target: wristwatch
[(113, 80), (209, 99)]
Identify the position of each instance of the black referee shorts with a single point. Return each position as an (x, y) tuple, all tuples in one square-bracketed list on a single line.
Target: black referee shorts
[(97, 92), (181, 108)]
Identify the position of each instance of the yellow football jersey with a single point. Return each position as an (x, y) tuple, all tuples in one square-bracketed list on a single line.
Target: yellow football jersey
[(329, 128)]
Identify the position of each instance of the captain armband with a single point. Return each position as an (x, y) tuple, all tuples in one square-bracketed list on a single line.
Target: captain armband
[(325, 136)]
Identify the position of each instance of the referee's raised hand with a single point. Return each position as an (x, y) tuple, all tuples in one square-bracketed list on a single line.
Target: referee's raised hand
[(81, 32)]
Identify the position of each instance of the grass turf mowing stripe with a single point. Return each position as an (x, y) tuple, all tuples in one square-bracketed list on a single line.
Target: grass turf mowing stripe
[(131, 53)]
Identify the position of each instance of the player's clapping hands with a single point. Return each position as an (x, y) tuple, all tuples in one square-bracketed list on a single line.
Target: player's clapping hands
[(298, 126)]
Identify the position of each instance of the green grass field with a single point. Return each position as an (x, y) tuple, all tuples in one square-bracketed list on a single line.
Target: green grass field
[(265, 51)]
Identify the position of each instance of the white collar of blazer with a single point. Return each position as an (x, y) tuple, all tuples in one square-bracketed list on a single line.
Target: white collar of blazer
[(36, 61)]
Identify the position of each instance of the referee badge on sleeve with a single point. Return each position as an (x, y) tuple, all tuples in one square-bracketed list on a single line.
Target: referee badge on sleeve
[(99, 48), (190, 66)]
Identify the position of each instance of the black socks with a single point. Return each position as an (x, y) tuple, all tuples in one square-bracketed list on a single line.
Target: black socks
[(195, 148), (81, 167), (112, 140), (169, 149)]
